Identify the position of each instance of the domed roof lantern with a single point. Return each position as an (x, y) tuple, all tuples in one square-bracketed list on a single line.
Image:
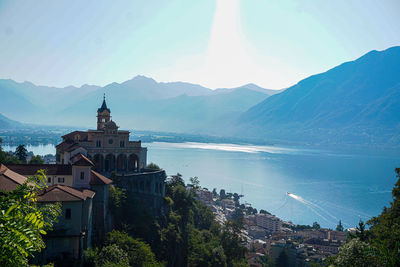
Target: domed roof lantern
[(104, 105)]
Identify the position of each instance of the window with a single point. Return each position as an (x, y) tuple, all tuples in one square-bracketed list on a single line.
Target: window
[(61, 179), (82, 175), (49, 179), (68, 214), (121, 143), (98, 143), (110, 141)]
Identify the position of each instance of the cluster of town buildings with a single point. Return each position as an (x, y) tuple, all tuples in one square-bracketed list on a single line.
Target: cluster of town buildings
[(80, 181), (266, 234)]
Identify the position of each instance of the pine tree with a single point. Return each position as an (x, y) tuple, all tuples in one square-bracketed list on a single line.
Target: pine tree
[(21, 153)]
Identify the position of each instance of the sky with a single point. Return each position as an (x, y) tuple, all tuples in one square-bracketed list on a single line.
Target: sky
[(214, 43)]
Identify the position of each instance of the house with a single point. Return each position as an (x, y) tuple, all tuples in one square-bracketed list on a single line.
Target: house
[(73, 231), (83, 194)]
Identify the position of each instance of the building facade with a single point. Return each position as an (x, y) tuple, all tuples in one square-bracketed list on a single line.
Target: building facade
[(271, 223), (107, 147)]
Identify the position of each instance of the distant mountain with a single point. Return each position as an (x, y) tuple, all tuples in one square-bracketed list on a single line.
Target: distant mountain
[(139, 103), (250, 86), (183, 113), (6, 123), (357, 102)]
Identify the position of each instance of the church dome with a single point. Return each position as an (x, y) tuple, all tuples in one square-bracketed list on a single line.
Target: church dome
[(110, 125)]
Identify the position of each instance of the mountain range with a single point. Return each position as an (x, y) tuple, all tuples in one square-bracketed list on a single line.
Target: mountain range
[(357, 102), (140, 103)]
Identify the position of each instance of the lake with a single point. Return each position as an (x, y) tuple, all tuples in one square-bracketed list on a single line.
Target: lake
[(324, 185)]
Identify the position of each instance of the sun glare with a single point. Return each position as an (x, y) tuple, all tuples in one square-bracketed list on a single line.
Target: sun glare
[(226, 57)]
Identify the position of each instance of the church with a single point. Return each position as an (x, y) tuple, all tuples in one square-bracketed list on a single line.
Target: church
[(107, 147), (111, 151), (80, 182)]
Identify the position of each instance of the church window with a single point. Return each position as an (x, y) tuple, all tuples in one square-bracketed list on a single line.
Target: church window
[(110, 141), (49, 179), (61, 179), (68, 214), (98, 143), (121, 143), (82, 175)]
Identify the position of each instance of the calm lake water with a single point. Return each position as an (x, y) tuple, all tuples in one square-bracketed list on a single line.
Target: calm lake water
[(325, 186)]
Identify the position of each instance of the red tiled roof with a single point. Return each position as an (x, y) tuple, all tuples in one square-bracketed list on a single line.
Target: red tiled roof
[(72, 147), (51, 169), (65, 144), (9, 179), (70, 136), (63, 193), (97, 178), (82, 160), (88, 193)]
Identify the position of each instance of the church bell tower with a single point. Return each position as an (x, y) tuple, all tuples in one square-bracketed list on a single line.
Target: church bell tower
[(103, 115)]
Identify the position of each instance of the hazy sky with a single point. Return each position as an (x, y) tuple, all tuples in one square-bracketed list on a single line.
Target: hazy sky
[(215, 43)]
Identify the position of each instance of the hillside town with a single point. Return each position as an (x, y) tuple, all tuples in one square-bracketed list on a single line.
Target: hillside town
[(267, 234)]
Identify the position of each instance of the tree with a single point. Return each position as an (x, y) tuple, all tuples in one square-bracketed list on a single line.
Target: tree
[(379, 246), (195, 182), (23, 221), (153, 166), (36, 160), (316, 225), (90, 256), (7, 158), (112, 255), (264, 212), (386, 226), (356, 253), (236, 198), (339, 227), (238, 216), (361, 233), (21, 153), (233, 242), (215, 194), (139, 253), (222, 194), (266, 261)]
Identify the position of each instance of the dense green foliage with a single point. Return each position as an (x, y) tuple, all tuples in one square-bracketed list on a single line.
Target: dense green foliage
[(19, 156), (23, 221), (153, 166), (187, 235), (120, 249), (7, 158), (36, 160)]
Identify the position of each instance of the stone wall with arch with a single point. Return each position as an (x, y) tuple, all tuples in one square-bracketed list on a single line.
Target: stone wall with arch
[(121, 163), (147, 187)]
